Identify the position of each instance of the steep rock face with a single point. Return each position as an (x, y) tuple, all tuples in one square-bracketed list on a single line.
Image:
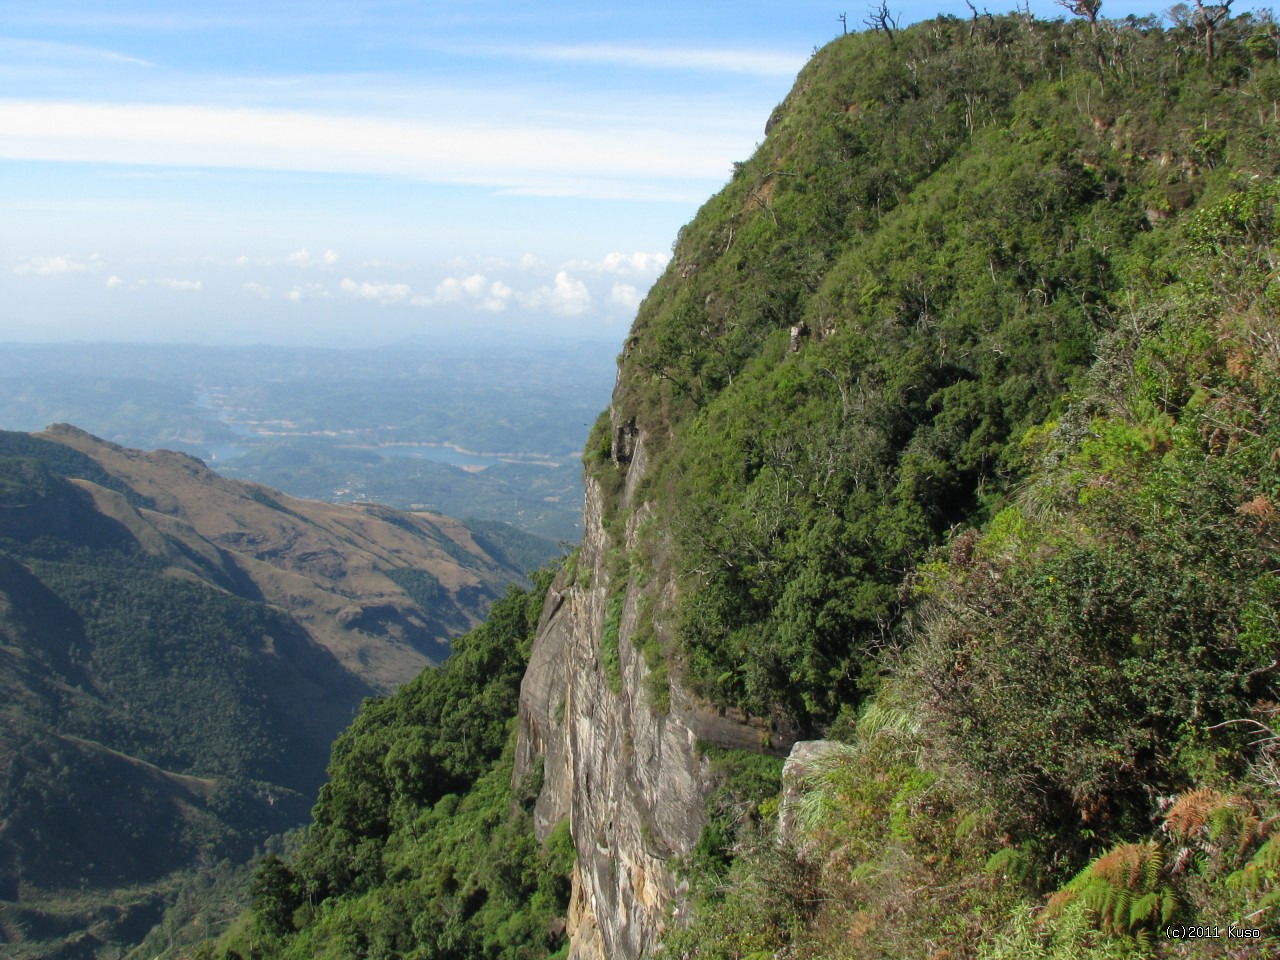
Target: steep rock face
[(629, 775)]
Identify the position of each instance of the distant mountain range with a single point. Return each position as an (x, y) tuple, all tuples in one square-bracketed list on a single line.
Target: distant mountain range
[(177, 653), (465, 426)]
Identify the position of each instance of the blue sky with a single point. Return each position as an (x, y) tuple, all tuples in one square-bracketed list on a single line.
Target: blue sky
[(352, 172)]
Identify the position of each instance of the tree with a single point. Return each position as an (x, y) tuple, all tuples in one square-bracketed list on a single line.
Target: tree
[(1211, 16), (276, 894), (1084, 8), (879, 18)]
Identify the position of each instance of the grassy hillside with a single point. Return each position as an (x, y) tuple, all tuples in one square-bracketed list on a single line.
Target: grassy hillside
[(1003, 523), (177, 652)]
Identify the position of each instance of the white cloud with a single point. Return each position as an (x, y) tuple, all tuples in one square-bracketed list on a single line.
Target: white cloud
[(171, 284), (763, 63), (646, 263), (308, 291), (669, 160), (625, 295), (531, 262), (257, 290), (303, 258), (49, 51), (476, 289), (452, 289), (497, 298), (568, 297), (57, 266), (113, 282), (638, 263), (379, 292), (299, 258)]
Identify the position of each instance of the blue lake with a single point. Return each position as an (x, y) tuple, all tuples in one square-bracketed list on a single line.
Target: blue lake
[(439, 454)]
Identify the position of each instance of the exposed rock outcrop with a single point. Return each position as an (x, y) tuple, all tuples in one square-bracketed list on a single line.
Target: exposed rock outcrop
[(629, 775), (806, 759)]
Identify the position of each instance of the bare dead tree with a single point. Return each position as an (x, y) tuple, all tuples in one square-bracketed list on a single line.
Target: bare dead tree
[(1083, 8), (1025, 15), (1089, 10), (973, 25), (1211, 16), (844, 24), (879, 18)]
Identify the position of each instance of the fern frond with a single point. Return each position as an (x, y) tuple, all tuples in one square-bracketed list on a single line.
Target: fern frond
[(968, 823), (1121, 890), (1268, 855), (1191, 812), (1268, 902), (1117, 917), (1221, 825), (1144, 908), (1059, 901), (1010, 862), (1152, 867)]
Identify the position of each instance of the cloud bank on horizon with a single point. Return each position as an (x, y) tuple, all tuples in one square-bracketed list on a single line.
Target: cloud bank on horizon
[(354, 171)]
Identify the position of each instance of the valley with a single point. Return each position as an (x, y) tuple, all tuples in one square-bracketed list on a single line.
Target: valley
[(177, 653), (926, 604)]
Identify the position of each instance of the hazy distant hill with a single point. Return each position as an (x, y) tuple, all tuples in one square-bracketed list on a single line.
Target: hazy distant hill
[(468, 426), (177, 653)]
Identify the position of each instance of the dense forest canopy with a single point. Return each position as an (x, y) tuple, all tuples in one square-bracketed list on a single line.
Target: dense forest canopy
[(420, 845)]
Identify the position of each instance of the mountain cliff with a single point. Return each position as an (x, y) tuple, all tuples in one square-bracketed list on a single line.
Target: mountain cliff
[(177, 653), (872, 343), (941, 463)]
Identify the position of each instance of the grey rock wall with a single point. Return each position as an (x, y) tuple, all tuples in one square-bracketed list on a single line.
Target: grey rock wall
[(628, 775)]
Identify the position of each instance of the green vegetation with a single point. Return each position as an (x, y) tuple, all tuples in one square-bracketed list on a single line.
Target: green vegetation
[(159, 719), (1006, 523), (57, 459), (139, 736), (950, 228), (108, 661), (524, 551), (960, 406), (421, 845)]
